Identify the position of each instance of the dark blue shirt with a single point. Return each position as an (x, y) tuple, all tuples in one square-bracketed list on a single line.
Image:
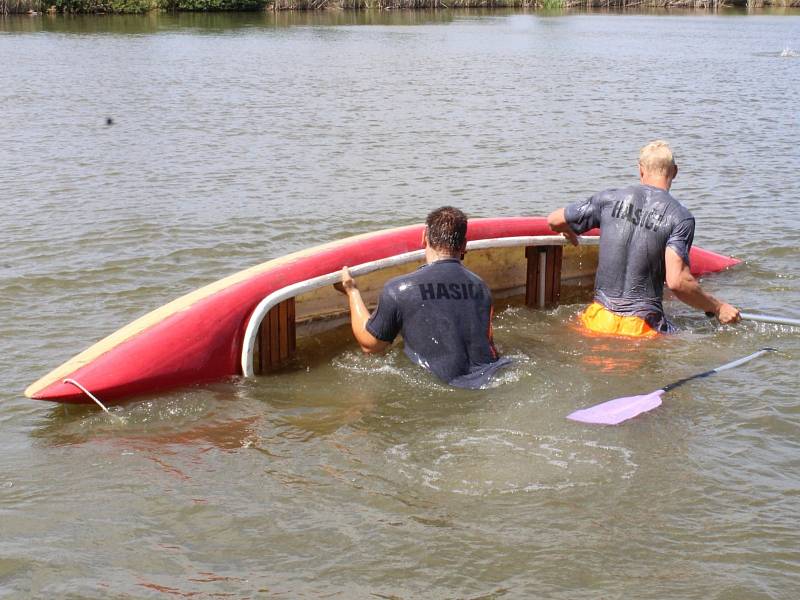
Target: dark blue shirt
[(443, 311), (637, 224)]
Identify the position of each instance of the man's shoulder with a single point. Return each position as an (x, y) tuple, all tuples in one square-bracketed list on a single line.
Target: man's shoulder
[(681, 209), (474, 276), (639, 190), (663, 197), (613, 192), (678, 209), (437, 271), (609, 196), (398, 283), (455, 268)]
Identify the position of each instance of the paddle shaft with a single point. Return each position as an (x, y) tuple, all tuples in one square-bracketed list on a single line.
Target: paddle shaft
[(765, 318), (724, 367), (770, 319)]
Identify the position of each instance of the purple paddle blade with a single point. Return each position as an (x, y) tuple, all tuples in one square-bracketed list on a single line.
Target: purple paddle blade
[(618, 410)]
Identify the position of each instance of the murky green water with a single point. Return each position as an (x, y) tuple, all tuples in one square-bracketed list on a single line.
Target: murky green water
[(238, 138)]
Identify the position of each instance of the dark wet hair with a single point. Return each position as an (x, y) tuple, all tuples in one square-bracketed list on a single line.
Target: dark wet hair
[(447, 229)]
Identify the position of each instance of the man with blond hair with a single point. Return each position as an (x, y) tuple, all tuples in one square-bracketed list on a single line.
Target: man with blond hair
[(645, 238)]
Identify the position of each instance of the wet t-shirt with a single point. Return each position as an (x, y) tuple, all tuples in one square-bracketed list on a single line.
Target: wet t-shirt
[(636, 224), (443, 311)]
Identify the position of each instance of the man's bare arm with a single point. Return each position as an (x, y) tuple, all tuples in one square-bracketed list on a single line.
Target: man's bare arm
[(558, 223), (359, 315), (681, 281)]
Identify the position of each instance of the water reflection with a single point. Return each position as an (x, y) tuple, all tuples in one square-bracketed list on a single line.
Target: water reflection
[(202, 417), (326, 419), (215, 23), (199, 23)]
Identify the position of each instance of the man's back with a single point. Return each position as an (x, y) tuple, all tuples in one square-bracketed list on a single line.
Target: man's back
[(645, 238), (444, 312), (637, 224)]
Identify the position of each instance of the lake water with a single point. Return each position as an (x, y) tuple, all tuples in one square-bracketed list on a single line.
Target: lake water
[(240, 138)]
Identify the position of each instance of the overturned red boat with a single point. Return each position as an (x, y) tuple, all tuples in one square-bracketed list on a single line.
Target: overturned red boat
[(248, 322)]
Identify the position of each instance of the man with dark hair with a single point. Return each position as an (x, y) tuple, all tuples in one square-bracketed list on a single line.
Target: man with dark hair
[(442, 309)]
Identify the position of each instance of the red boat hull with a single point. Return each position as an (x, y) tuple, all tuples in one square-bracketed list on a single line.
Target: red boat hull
[(198, 338)]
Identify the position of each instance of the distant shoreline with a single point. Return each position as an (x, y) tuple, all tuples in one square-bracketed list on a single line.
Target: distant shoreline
[(37, 7)]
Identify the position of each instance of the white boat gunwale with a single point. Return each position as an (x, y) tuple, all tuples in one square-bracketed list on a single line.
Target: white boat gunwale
[(308, 285)]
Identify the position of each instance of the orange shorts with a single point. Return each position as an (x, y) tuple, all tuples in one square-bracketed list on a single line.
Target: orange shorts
[(599, 319)]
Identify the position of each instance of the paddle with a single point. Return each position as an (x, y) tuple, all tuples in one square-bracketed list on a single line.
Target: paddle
[(770, 319), (621, 409)]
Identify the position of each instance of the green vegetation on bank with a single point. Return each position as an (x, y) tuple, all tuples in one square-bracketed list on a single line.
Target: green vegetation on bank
[(127, 6), (143, 6)]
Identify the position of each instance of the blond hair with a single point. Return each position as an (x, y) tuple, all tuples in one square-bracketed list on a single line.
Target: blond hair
[(656, 158)]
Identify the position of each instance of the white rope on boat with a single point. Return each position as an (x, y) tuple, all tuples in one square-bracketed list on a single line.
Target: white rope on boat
[(88, 393), (290, 291)]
